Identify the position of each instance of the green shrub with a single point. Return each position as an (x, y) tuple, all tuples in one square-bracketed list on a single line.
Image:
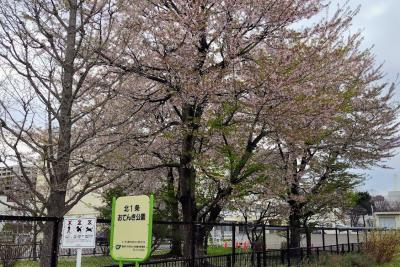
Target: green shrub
[(382, 246), (348, 260)]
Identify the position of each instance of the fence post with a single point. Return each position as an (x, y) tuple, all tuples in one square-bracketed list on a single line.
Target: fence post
[(337, 241), (192, 247), (54, 251), (264, 246), (234, 244), (348, 240), (323, 239)]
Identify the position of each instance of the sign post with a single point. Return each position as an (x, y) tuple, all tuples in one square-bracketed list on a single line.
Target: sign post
[(131, 229), (79, 233), (78, 257)]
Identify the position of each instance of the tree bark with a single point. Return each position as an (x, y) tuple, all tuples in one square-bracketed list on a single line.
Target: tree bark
[(201, 235), (173, 207), (295, 226), (187, 174), (54, 210), (308, 240), (295, 231)]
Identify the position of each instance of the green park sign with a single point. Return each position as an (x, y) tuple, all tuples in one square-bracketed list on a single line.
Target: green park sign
[(131, 228)]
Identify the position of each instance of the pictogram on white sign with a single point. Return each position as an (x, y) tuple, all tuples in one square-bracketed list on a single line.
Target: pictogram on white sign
[(79, 232)]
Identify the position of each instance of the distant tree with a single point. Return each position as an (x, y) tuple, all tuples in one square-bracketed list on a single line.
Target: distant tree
[(257, 209), (378, 198), (385, 205), (363, 204), (107, 198)]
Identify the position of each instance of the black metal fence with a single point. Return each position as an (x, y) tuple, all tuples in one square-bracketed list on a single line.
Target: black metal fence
[(216, 245)]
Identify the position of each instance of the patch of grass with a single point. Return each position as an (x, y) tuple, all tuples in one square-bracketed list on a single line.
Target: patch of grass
[(87, 261), (217, 250), (347, 260), (352, 260), (394, 263)]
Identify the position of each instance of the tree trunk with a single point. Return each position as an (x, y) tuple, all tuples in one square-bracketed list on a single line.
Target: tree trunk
[(295, 226), (295, 233), (55, 209), (201, 237), (201, 234), (59, 181), (308, 240), (172, 202), (176, 244), (187, 175)]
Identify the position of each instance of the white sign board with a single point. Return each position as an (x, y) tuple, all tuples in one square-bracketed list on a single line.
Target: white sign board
[(79, 232)]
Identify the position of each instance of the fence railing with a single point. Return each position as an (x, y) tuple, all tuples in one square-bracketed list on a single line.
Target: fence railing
[(178, 244)]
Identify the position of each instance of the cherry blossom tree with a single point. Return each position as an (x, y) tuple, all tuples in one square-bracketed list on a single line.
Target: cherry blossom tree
[(191, 51), (345, 119), (55, 102)]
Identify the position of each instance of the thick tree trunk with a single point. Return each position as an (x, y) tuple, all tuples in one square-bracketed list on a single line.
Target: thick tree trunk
[(295, 226), (187, 175), (188, 206), (176, 243), (295, 233), (45, 254), (308, 232), (56, 207), (172, 202), (201, 236)]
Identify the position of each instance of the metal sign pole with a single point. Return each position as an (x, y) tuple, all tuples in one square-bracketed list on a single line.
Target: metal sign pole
[(78, 257)]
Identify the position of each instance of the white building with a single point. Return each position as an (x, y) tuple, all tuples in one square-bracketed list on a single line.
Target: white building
[(12, 184)]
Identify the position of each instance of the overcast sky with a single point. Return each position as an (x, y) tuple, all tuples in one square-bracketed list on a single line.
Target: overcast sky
[(379, 21)]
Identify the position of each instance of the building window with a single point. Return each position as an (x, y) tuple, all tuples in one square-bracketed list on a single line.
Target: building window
[(387, 222)]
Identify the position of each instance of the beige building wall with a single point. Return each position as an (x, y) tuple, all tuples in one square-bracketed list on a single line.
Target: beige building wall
[(380, 216), (87, 205)]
